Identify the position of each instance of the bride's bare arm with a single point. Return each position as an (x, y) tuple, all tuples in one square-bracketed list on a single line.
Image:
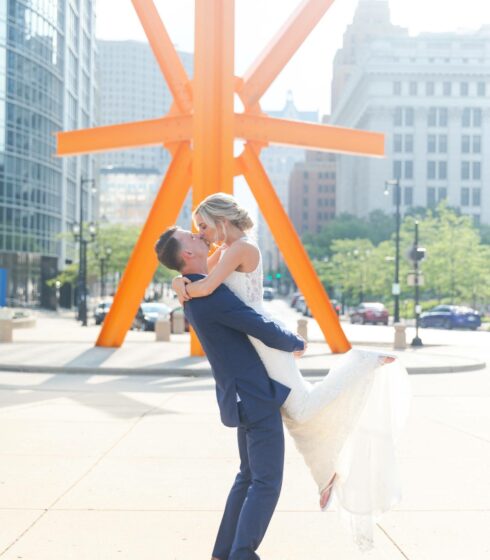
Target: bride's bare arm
[(239, 254), (214, 258)]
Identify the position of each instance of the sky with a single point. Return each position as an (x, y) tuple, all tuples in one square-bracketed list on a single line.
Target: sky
[(309, 72)]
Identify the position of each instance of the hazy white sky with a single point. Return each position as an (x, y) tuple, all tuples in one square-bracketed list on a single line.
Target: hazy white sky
[(308, 74)]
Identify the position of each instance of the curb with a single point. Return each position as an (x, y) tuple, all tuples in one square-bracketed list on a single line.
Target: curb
[(206, 372)]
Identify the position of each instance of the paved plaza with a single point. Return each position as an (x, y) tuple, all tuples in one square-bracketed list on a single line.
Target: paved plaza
[(136, 465)]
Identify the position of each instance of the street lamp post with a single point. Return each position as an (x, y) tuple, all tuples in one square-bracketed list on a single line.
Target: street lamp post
[(417, 254), (82, 267), (396, 285), (103, 257)]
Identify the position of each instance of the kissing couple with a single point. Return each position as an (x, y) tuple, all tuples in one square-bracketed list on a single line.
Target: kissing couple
[(345, 426)]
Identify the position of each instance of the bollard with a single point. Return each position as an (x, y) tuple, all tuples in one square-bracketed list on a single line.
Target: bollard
[(6, 325), (162, 330), (303, 328), (400, 342), (178, 324)]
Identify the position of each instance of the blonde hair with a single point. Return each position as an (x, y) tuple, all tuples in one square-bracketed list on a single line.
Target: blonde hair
[(221, 206)]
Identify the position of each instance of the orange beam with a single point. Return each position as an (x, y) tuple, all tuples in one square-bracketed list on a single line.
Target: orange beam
[(129, 135), (213, 85), (293, 251), (143, 262), (275, 56), (267, 130), (165, 53)]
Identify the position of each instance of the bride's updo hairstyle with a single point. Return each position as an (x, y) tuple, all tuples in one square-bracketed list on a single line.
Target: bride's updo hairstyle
[(220, 206)]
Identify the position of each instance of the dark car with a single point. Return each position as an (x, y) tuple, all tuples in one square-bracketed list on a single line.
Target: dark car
[(101, 311), (370, 313), (268, 294), (335, 305), (148, 314), (294, 299), (450, 317)]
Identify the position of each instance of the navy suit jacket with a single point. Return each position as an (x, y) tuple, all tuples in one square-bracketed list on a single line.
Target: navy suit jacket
[(222, 322)]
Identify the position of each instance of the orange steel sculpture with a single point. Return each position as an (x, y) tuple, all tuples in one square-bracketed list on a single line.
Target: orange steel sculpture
[(200, 130)]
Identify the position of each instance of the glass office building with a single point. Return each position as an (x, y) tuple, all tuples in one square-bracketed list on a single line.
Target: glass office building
[(47, 52)]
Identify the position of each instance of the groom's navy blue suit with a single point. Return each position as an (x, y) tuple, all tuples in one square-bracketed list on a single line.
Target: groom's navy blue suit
[(222, 322)]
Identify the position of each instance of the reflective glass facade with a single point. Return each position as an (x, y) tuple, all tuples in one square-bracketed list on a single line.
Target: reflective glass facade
[(40, 45)]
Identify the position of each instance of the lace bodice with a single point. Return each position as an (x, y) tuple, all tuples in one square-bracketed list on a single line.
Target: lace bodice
[(247, 285)]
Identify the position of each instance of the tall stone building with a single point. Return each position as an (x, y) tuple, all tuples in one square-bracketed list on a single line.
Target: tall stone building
[(132, 88), (429, 95)]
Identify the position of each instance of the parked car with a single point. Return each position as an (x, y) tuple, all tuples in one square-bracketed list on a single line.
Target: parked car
[(148, 314), (370, 313), (300, 304), (101, 310), (294, 299), (450, 317), (335, 305), (269, 294)]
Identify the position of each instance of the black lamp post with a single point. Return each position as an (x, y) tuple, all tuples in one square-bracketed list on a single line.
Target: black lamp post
[(395, 183), (417, 254), (82, 267), (103, 256)]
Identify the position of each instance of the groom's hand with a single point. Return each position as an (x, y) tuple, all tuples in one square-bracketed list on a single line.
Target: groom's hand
[(299, 353)]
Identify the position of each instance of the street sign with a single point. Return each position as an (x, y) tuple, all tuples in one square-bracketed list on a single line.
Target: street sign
[(395, 290), (411, 279)]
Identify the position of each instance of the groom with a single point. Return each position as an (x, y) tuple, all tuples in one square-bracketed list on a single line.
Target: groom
[(248, 399)]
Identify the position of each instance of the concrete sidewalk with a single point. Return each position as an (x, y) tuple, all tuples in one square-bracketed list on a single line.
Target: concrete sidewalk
[(60, 345), (138, 467)]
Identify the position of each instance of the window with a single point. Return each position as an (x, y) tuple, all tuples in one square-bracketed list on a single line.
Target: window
[(431, 197), (408, 196), (446, 88), (305, 174), (397, 88), (442, 116), (463, 89), (305, 188), (480, 89), (409, 143), (465, 170), (429, 88), (431, 170), (476, 170), (465, 196), (397, 120), (397, 169), (409, 116), (465, 144), (397, 143), (432, 116), (431, 143), (476, 197), (466, 117), (442, 170), (476, 144), (476, 117), (409, 170), (413, 88), (441, 194), (442, 143)]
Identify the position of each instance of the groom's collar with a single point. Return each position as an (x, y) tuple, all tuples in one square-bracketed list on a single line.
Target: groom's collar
[(194, 276)]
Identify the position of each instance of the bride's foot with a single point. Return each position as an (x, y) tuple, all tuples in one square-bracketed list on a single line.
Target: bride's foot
[(383, 359), (326, 494)]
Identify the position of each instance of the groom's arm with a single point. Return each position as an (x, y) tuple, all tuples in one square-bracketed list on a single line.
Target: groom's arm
[(230, 310)]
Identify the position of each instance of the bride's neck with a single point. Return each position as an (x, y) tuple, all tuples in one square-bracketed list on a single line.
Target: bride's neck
[(233, 235)]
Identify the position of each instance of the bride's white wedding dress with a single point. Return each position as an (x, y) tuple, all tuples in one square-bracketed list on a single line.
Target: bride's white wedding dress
[(347, 424)]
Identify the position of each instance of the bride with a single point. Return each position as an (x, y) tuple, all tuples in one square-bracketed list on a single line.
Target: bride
[(344, 426)]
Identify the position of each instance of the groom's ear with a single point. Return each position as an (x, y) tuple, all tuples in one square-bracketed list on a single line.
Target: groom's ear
[(187, 255)]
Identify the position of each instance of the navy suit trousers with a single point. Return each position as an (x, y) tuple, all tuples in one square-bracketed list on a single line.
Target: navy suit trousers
[(255, 492)]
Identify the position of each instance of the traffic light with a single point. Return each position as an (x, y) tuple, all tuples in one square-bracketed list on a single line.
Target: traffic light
[(417, 253), (278, 275)]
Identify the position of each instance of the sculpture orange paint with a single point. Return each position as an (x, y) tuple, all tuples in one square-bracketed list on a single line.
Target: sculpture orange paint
[(199, 131)]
